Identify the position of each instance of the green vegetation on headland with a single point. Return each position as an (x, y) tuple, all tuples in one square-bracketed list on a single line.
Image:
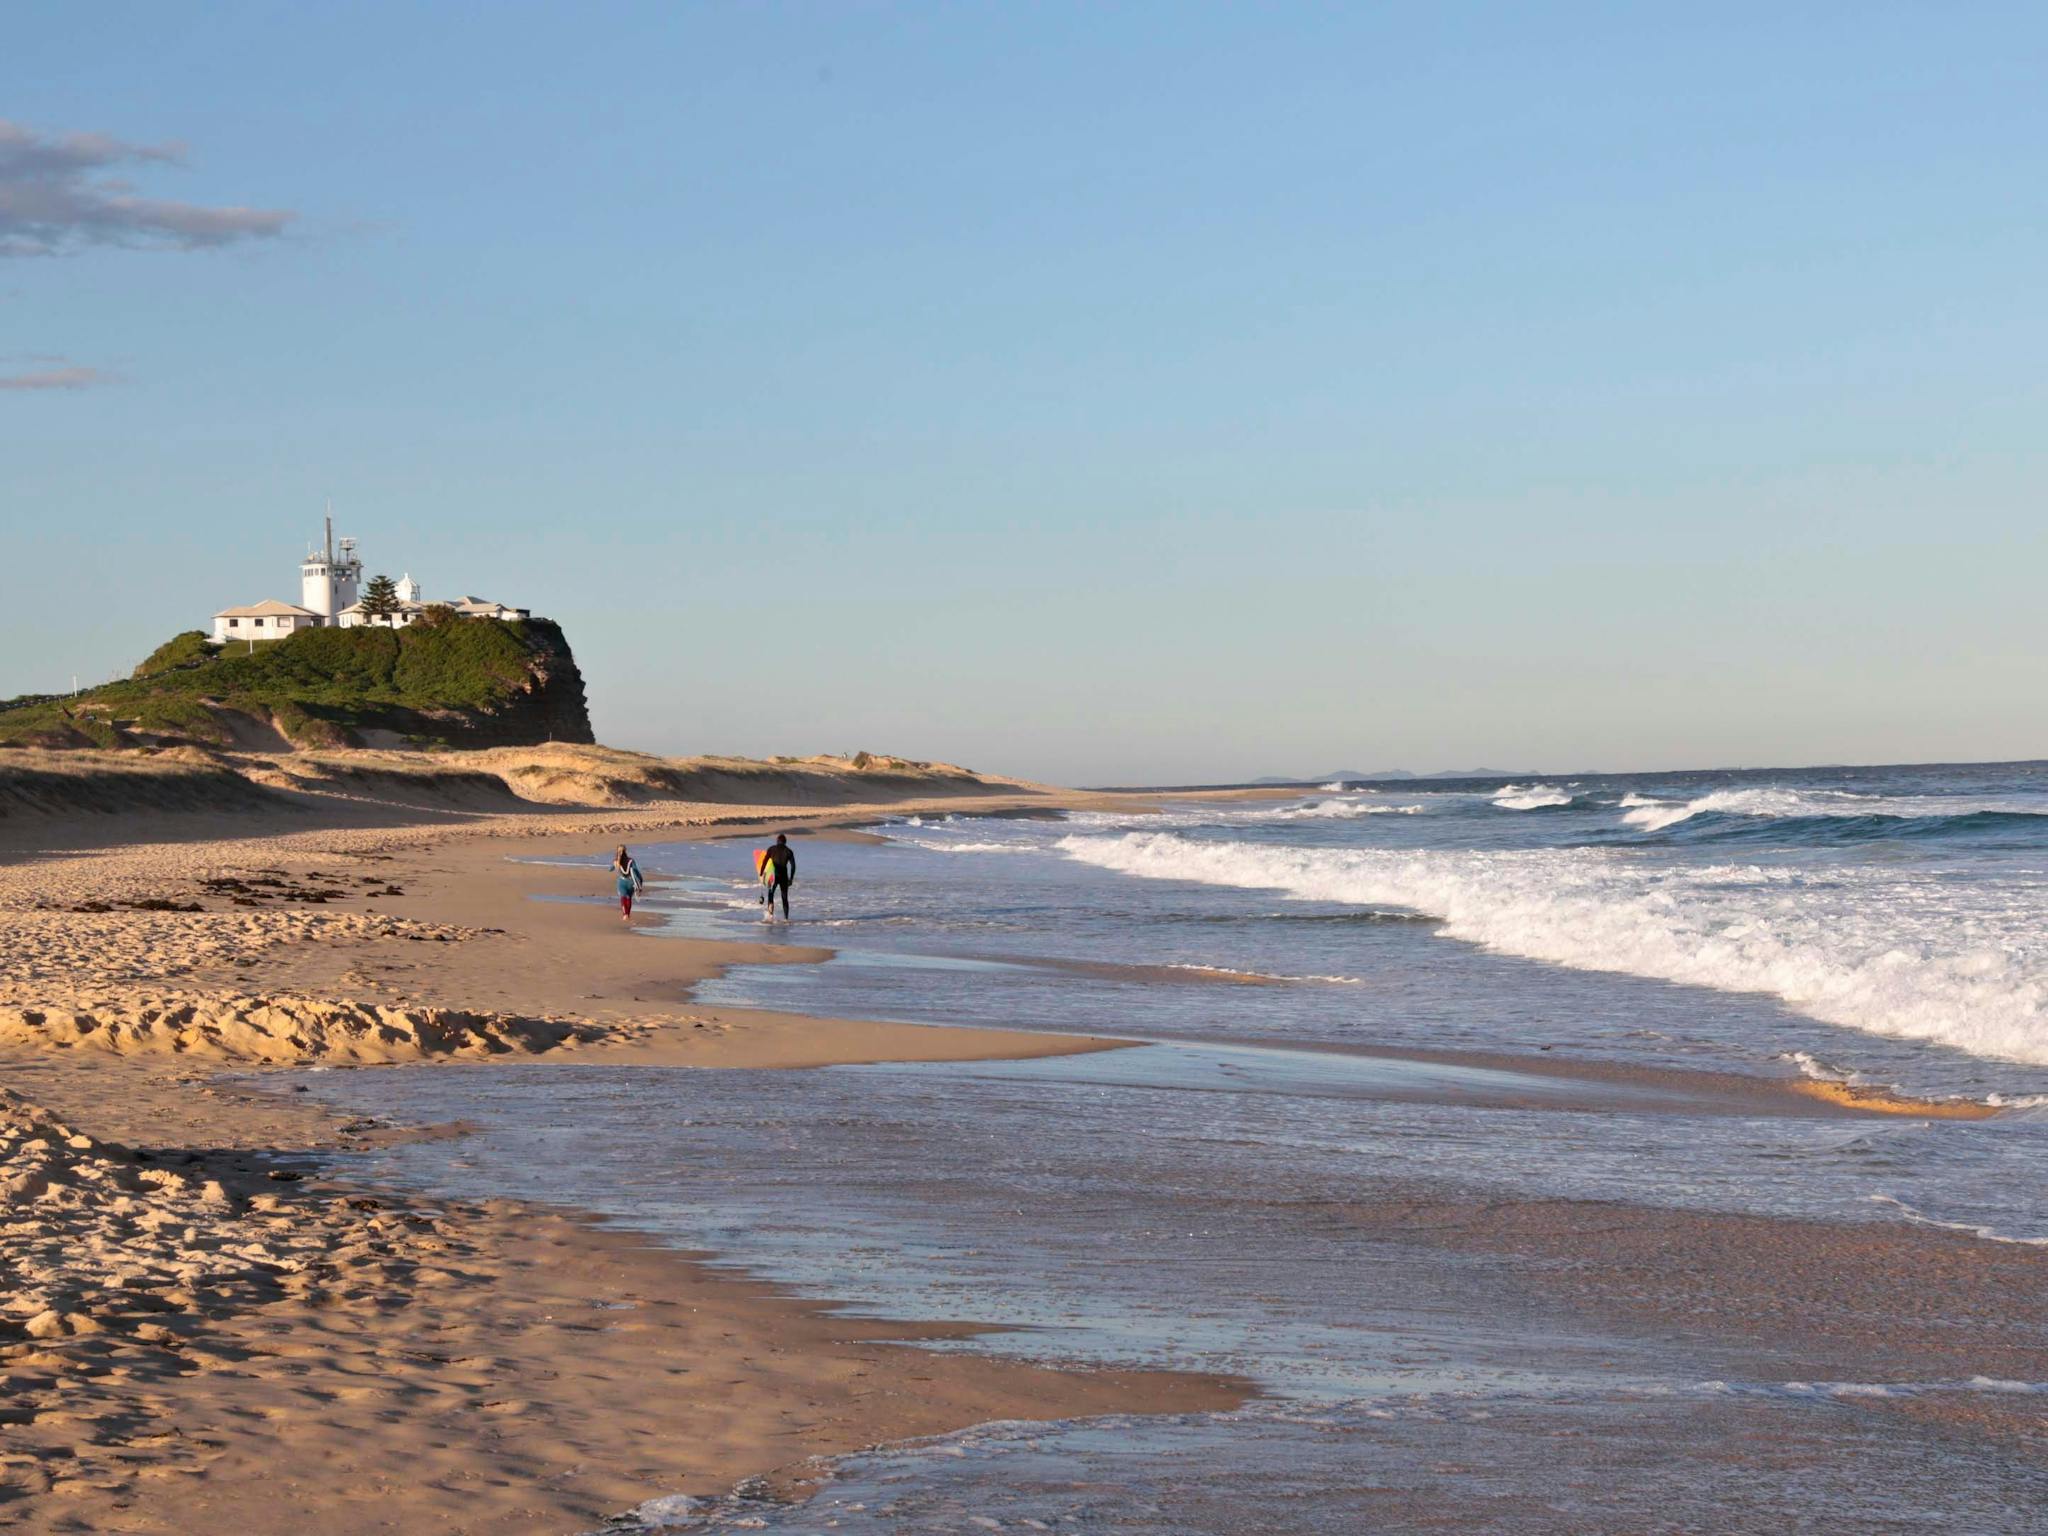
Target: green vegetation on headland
[(179, 651), (457, 682)]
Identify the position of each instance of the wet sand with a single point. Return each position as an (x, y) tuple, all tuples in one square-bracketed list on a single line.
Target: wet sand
[(1467, 1349), (347, 1361)]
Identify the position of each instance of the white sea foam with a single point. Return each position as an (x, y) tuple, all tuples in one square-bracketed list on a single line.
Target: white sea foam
[(670, 1512), (1821, 1072), (1654, 815), (1874, 950), (1871, 1388), (1231, 970), (938, 847), (1974, 1230), (1812, 1067), (1334, 787), (1332, 810), (1777, 804), (1536, 797)]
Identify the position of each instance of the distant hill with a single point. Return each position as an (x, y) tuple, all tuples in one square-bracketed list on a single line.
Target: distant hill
[(1390, 775), (462, 682), (1327, 778)]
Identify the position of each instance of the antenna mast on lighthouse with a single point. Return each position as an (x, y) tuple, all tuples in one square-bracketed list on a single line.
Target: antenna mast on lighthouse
[(330, 530)]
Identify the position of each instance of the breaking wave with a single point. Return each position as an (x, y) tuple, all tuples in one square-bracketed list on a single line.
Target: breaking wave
[(1333, 810), (1835, 815), (1863, 949), (1655, 815), (1536, 797)]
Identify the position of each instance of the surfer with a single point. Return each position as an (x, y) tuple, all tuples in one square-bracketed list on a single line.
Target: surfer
[(778, 873), (628, 873)]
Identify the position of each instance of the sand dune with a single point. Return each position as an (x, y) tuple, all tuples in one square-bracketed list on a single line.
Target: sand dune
[(37, 782), (42, 784)]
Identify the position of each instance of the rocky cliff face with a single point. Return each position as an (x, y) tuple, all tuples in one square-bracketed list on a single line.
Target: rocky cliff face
[(553, 704), (548, 704)]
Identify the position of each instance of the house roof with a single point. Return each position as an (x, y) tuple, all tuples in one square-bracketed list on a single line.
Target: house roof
[(267, 608)]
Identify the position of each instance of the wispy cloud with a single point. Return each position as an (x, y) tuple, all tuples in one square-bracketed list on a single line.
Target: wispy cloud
[(61, 192), (68, 376)]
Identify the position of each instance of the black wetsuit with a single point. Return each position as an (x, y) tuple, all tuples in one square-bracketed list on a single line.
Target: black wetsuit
[(782, 861)]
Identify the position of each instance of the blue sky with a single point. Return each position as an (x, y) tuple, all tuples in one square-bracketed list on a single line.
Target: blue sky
[(1106, 394)]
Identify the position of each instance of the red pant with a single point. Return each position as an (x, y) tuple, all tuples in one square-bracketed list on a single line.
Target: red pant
[(626, 904)]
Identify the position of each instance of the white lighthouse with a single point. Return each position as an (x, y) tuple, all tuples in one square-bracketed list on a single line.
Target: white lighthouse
[(330, 589), (329, 580)]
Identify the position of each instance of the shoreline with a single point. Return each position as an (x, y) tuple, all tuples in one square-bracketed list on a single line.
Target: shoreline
[(366, 1357), (440, 1365), (568, 1424)]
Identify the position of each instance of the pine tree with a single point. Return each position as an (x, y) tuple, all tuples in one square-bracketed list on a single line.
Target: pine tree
[(380, 598)]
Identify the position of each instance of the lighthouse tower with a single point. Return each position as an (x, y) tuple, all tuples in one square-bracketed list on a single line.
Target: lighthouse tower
[(329, 580)]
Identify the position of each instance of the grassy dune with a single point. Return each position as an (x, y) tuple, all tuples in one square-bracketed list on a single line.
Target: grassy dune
[(37, 782)]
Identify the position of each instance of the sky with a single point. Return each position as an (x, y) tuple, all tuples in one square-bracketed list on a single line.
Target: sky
[(1105, 394)]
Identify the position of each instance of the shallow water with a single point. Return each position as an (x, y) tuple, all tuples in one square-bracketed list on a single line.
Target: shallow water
[(1187, 1206), (1189, 1202), (1525, 1467), (1497, 918)]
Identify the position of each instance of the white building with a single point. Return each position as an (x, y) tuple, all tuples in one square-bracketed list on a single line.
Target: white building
[(330, 591), (328, 584), (267, 620), (484, 608), (409, 609)]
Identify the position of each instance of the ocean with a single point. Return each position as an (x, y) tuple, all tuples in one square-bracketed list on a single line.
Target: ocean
[(1887, 923), (1376, 1017)]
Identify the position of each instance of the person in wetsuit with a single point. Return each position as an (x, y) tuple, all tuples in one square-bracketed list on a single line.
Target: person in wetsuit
[(781, 863), (627, 872)]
